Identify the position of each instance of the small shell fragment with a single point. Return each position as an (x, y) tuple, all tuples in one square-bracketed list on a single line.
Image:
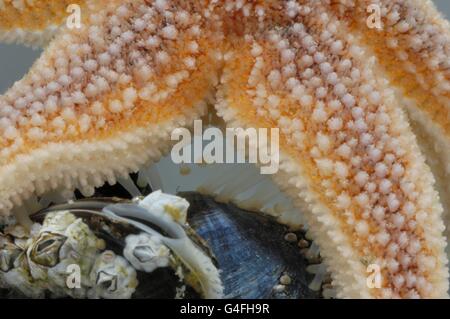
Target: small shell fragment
[(290, 237), (302, 243), (165, 205), (285, 280)]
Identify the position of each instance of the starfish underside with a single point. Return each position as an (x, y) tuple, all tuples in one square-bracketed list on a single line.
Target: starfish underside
[(103, 99)]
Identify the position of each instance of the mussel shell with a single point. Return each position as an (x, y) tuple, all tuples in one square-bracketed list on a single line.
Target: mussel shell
[(250, 250)]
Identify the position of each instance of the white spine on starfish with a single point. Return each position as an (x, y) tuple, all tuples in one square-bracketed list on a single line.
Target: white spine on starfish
[(436, 147), (244, 186), (86, 165), (65, 81), (323, 225)]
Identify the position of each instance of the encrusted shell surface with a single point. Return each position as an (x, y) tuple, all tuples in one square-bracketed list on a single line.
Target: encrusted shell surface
[(122, 249), (254, 258)]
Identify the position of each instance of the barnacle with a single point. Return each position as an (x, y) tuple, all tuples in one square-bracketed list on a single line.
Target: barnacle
[(102, 101)]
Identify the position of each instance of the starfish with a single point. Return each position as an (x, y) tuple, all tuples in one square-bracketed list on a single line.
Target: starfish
[(103, 99)]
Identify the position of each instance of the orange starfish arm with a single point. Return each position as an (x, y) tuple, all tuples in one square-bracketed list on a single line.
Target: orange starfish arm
[(349, 156), (33, 23), (97, 106), (413, 47)]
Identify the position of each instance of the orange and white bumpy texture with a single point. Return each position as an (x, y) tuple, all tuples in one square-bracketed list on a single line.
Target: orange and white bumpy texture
[(413, 47), (32, 22), (102, 101)]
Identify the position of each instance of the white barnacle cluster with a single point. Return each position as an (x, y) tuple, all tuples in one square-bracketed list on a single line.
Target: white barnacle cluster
[(40, 262), (177, 249), (63, 257)]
